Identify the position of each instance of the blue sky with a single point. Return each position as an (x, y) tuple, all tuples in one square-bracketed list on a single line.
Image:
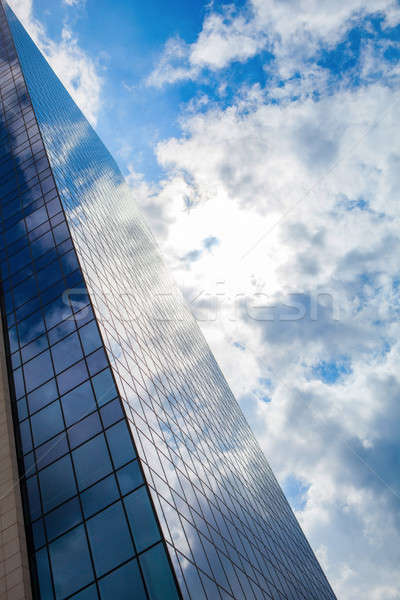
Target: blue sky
[(259, 137)]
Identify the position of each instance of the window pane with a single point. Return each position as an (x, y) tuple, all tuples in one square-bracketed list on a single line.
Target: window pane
[(123, 584), (99, 496), (92, 461), (49, 452), (120, 444), (104, 387), (89, 593), (33, 497), (38, 370), (39, 539), (42, 396), (84, 430), (111, 412), (157, 574), (109, 539), (97, 361), (26, 437), (129, 477), (78, 403), (72, 377), (141, 519), (18, 383), (43, 570), (30, 328), (34, 348), (63, 518), (90, 337), (57, 483), (66, 353), (69, 556), (47, 423)]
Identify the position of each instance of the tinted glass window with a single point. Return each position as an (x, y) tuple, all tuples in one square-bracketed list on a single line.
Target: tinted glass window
[(78, 403), (129, 477), (43, 570), (57, 483), (90, 337), (47, 423), (125, 584), (99, 496), (109, 538), (104, 387), (66, 352), (120, 443), (72, 377), (63, 518), (157, 574), (92, 461), (70, 559), (141, 519), (84, 430), (42, 396), (38, 370)]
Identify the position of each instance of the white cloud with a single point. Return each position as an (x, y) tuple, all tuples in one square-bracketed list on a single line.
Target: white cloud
[(74, 2), (302, 197), (292, 30), (78, 72)]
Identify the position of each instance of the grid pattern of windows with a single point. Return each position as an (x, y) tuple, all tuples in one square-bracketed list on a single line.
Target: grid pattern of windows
[(93, 530), (229, 529)]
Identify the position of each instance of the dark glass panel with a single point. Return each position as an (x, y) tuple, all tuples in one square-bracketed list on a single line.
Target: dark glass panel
[(84, 430), (63, 518), (25, 291), (43, 570), (90, 337), (47, 423), (123, 584), (78, 403), (42, 396), (38, 370), (92, 461), (39, 538), (18, 383), (31, 328), (104, 387), (97, 361), (57, 483), (22, 409), (57, 310), (66, 352), (72, 377), (70, 561), (49, 275), (157, 574), (34, 348), (99, 496), (129, 477), (111, 412), (109, 537), (141, 519), (49, 452), (33, 497), (120, 443), (89, 593), (61, 331), (26, 437)]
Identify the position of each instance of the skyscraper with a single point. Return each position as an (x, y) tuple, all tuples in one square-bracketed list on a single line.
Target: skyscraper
[(139, 477)]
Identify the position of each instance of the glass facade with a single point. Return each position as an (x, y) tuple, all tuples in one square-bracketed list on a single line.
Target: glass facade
[(142, 478)]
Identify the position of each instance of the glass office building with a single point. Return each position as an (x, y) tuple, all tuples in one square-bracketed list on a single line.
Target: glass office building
[(139, 476)]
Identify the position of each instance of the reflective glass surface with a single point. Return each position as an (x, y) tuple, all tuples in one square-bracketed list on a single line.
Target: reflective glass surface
[(89, 513), (222, 516)]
